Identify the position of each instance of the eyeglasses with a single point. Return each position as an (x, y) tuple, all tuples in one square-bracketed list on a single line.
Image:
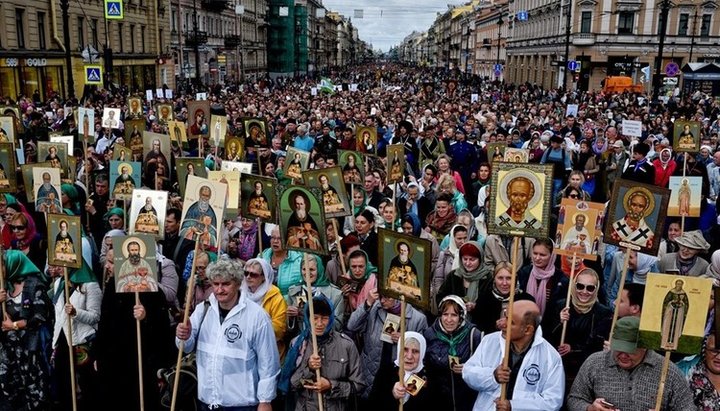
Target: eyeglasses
[(715, 353), (573, 196), (252, 274), (589, 287), (17, 227), (200, 268)]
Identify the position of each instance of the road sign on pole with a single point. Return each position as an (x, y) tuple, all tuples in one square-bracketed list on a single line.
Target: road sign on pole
[(572, 65), (93, 75), (114, 10)]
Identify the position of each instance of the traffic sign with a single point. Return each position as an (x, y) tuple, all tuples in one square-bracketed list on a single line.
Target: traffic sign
[(93, 75), (498, 67), (114, 10), (572, 65), (522, 15), (672, 69), (498, 73)]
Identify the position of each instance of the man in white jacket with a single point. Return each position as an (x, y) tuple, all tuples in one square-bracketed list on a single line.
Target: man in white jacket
[(237, 358), (535, 377)]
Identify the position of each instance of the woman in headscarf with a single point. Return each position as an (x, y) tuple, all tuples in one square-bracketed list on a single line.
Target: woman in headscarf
[(83, 308), (359, 198), (471, 279), (107, 243), (665, 166), (8, 207), (27, 238), (639, 266), (490, 306), (312, 268), (541, 279), (338, 361), (26, 336), (588, 323), (69, 198), (246, 240), (359, 280), (451, 341), (115, 218), (387, 390), (116, 344), (258, 286), (449, 259), (703, 376)]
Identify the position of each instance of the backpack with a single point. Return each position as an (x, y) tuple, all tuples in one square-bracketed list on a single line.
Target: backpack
[(188, 383)]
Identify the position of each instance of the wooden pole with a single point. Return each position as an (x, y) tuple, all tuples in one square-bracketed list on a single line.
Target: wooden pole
[(392, 225), (508, 321), (259, 232), (71, 351), (337, 241), (139, 358), (313, 337), (2, 279), (125, 213), (663, 377), (87, 174), (352, 204), (188, 302), (682, 217), (623, 275), (401, 349), (567, 299)]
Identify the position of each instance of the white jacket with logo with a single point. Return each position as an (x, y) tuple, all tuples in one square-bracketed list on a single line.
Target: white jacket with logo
[(237, 361), (540, 384)]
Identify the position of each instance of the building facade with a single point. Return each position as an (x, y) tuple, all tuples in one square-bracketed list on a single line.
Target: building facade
[(618, 37), (132, 51)]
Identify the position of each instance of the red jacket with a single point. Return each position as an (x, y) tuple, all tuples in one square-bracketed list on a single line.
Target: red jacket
[(662, 175)]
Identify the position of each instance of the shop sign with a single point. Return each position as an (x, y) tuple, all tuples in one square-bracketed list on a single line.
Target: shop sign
[(36, 62), (11, 62)]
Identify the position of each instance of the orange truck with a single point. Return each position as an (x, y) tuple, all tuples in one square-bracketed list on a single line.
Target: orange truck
[(620, 84)]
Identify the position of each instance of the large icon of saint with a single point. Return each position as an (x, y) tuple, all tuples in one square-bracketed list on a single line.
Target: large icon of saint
[(675, 310)]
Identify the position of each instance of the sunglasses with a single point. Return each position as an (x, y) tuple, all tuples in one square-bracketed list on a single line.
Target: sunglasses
[(17, 227), (252, 274), (589, 287), (573, 196)]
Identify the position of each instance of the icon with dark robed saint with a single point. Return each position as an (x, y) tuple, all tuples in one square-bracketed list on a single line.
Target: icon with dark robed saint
[(135, 264), (302, 219), (203, 206)]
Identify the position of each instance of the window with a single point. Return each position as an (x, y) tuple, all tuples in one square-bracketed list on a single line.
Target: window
[(683, 24), (81, 32), (142, 38), (173, 16), (132, 38), (586, 22), (20, 27), (626, 19), (95, 30), (42, 40), (120, 37), (160, 40), (705, 26)]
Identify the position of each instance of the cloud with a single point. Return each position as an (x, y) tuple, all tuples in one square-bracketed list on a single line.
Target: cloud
[(385, 23)]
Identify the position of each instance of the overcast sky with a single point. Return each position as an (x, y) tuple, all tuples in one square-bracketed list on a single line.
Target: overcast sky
[(386, 22)]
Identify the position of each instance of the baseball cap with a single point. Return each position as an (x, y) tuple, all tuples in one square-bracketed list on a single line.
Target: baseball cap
[(626, 335)]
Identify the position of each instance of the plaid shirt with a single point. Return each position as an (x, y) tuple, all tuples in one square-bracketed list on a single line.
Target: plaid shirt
[(635, 390)]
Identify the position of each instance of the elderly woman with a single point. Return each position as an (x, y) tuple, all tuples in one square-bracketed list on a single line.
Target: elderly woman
[(115, 218), (704, 380), (490, 305), (27, 240), (258, 287), (687, 260), (443, 168), (285, 263), (339, 365), (451, 340), (639, 266), (388, 390), (314, 272), (471, 279), (359, 280), (588, 322), (244, 242), (25, 341), (449, 258), (83, 308)]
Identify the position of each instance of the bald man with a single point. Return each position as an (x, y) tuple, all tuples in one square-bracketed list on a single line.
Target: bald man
[(534, 376)]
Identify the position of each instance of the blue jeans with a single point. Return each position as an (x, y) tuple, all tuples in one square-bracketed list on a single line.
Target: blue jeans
[(204, 407)]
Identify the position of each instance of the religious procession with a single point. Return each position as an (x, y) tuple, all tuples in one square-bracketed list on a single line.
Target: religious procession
[(388, 237)]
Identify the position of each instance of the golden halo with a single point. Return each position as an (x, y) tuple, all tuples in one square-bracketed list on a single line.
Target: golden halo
[(124, 164), (521, 172), (633, 190), (143, 248), (571, 218)]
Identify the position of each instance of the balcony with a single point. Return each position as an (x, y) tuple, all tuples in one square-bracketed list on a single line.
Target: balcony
[(232, 41), (215, 6), (583, 39), (193, 38)]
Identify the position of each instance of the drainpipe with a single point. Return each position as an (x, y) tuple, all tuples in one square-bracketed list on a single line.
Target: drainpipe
[(53, 16)]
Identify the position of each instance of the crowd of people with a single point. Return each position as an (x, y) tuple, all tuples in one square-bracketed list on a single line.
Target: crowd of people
[(255, 343)]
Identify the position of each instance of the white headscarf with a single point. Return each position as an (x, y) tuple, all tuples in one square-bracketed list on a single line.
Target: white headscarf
[(412, 335), (453, 248), (259, 294)]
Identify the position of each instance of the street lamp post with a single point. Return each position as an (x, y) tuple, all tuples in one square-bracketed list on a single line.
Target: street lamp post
[(198, 81), (664, 11), (568, 15), (497, 60), (65, 5)]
